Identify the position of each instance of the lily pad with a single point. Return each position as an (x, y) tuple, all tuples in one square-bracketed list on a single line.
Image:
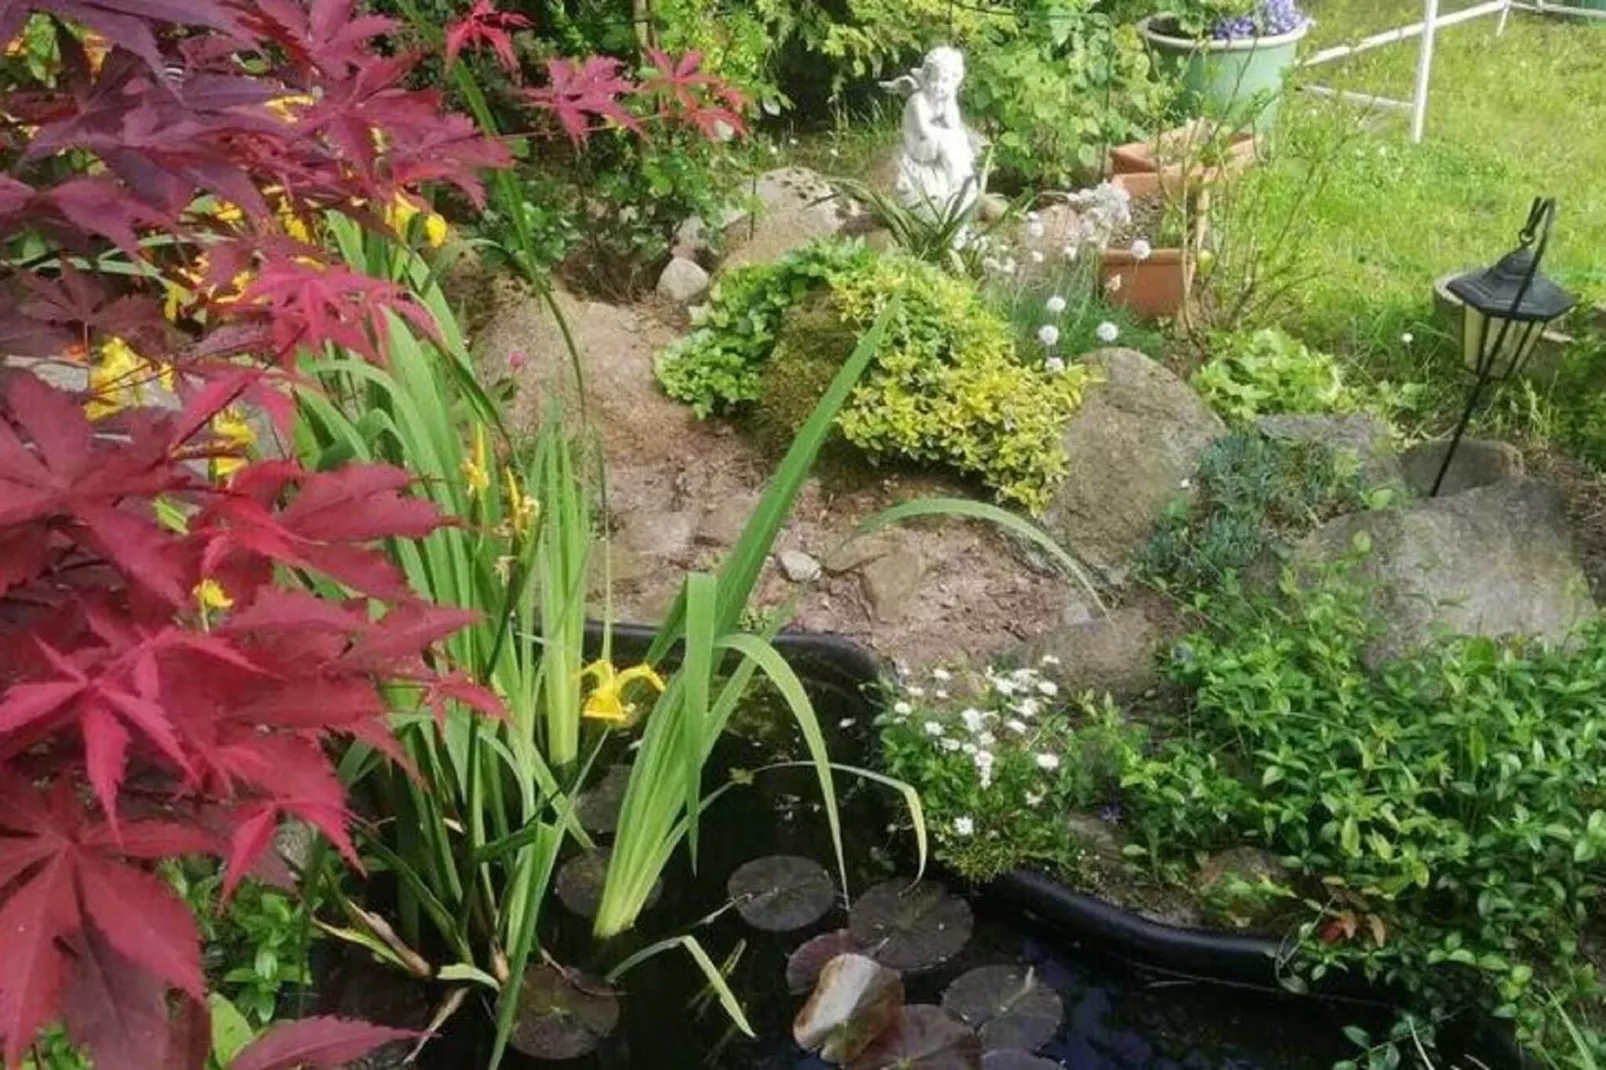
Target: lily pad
[(780, 893), (922, 1037), (1009, 1006), (804, 965), (563, 1014), (1015, 1059), (580, 881), (853, 1002), (910, 928), (598, 806)]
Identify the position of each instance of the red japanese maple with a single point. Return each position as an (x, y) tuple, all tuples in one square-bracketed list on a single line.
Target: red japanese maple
[(168, 684)]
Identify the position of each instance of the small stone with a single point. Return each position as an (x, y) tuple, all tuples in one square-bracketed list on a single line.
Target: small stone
[(723, 524), (683, 281), (992, 207), (798, 566), (890, 582), (1477, 463), (666, 534)]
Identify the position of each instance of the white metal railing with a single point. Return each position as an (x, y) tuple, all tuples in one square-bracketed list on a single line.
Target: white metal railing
[(1425, 30)]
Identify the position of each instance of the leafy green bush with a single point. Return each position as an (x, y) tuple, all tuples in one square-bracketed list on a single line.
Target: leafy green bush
[(1253, 493), (1269, 371), (1001, 758), (1578, 401), (945, 389), (1447, 812)]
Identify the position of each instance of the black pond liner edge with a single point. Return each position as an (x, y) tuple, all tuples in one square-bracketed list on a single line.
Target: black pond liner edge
[(1205, 955)]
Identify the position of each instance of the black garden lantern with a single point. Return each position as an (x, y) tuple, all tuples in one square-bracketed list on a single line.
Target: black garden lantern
[(1507, 308)]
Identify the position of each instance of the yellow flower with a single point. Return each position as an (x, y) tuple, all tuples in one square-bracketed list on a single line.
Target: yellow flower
[(476, 471), (231, 426), (95, 49), (211, 595), (435, 230), (606, 702), (17, 46), (226, 212), (118, 379), (285, 107), (522, 508), (403, 211)]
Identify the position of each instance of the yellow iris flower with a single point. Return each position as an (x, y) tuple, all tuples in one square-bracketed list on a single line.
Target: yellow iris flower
[(285, 107), (232, 427), (211, 595), (119, 378), (606, 702), (401, 213), (522, 508), (476, 468)]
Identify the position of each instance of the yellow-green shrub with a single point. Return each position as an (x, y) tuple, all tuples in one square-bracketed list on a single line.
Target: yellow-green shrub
[(947, 388)]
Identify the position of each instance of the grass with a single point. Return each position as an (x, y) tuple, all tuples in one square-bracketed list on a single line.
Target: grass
[(1509, 118)]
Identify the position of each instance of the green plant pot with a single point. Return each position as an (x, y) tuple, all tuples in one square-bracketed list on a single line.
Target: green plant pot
[(1239, 82)]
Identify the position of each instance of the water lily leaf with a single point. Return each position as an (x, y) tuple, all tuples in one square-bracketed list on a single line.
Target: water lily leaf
[(1008, 1005), (1015, 1059), (782, 892), (598, 806), (562, 1014), (804, 965), (853, 1002), (910, 927), (922, 1037), (580, 881)]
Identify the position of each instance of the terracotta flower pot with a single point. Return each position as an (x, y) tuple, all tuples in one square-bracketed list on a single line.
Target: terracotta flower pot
[(1156, 286), (1180, 149)]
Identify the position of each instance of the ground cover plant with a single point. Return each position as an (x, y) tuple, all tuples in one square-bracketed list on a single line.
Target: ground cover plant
[(949, 388)]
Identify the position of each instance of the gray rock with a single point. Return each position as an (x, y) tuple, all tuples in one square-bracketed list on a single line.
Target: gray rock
[(1095, 836), (683, 281), (992, 207), (1365, 438), (694, 234), (1491, 561), (660, 534), (798, 566), (1135, 439), (723, 524), (794, 207), (857, 553), (1477, 463), (891, 581), (1113, 653), (1250, 863)]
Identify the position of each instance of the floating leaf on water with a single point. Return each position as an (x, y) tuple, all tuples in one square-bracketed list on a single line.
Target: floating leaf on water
[(853, 1002), (563, 1014), (580, 882), (922, 1037), (1015, 1059), (598, 806), (910, 928), (804, 966), (781, 892), (1009, 1005)]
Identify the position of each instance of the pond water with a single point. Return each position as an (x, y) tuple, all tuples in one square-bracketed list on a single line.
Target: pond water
[(1115, 1016)]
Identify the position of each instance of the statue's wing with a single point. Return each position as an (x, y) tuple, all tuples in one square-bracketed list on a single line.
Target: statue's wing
[(904, 85)]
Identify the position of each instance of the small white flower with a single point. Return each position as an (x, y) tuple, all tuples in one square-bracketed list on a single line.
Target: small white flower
[(990, 263), (1049, 762), (1141, 250), (917, 692), (1028, 707), (835, 152), (933, 728), (939, 693), (1048, 334), (974, 720), (1035, 230), (1071, 251), (1185, 484), (1016, 726), (775, 150), (1049, 659), (791, 141), (986, 740), (846, 722), (1004, 687), (1035, 256), (1107, 332), (1055, 305), (949, 744), (1054, 365), (1113, 285), (1048, 687), (1407, 337), (964, 826), (1033, 217), (942, 676), (969, 748), (902, 709), (1033, 798), (1008, 266)]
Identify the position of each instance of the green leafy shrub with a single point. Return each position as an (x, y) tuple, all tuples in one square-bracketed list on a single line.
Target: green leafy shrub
[(946, 388), (1578, 401), (1253, 493), (1000, 759), (1269, 371), (1446, 812)]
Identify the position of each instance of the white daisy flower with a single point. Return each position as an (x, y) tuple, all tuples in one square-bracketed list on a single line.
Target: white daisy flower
[(1407, 337), (1049, 659), (970, 749), (933, 728), (1033, 798), (950, 744), (939, 693), (1054, 365), (917, 692), (964, 826), (902, 709), (1048, 762), (1035, 256), (1055, 305), (1028, 707), (1107, 332), (1048, 334), (986, 739), (1016, 726), (1048, 687), (941, 675), (974, 720), (1071, 251)]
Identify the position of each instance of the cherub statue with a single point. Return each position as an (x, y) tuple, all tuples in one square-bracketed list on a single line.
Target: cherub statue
[(937, 174)]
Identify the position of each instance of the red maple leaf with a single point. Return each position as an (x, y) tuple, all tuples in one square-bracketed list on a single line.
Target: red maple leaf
[(689, 88), (576, 92), (307, 303), (484, 26), (315, 1043)]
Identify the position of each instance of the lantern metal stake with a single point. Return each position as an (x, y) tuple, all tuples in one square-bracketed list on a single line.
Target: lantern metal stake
[(1515, 295)]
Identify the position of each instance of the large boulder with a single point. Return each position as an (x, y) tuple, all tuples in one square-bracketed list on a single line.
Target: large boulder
[(1491, 561), (1114, 653), (792, 207), (1132, 447)]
